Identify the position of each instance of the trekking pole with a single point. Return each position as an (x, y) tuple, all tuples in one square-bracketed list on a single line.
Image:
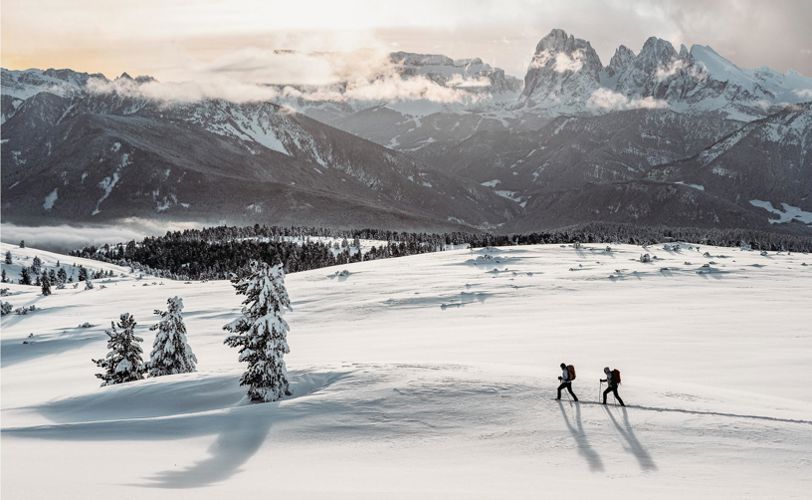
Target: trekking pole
[(600, 387)]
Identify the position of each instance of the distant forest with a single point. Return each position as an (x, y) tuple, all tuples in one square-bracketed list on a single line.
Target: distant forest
[(223, 251)]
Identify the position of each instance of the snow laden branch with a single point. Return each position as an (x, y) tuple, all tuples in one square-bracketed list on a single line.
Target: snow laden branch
[(261, 332), (171, 352), (123, 362)]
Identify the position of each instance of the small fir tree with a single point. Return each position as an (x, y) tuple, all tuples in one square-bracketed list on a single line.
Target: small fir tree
[(171, 352), (88, 284), (8, 257), (36, 265), (3, 276), (261, 332), (25, 276), (46, 284), (123, 362)]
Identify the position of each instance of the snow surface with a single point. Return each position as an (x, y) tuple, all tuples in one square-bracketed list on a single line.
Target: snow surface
[(786, 213), (433, 376), (48, 202), (698, 187)]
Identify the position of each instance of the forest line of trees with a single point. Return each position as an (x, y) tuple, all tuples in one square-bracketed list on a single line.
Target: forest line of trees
[(220, 252)]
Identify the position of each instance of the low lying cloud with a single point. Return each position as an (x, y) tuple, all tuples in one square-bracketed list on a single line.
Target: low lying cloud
[(458, 81), (680, 66), (279, 75), (564, 62), (191, 91), (605, 99), (561, 62), (804, 93), (64, 238)]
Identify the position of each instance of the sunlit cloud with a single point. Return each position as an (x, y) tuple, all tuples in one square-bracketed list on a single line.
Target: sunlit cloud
[(605, 99)]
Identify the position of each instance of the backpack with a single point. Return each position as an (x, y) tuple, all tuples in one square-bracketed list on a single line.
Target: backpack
[(616, 376), (571, 371)]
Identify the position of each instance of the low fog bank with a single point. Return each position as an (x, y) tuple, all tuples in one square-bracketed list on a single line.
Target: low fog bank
[(64, 238)]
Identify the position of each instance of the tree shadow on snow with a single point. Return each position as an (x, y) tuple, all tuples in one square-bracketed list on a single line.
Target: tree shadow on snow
[(13, 351), (640, 453), (584, 448), (239, 439), (177, 407)]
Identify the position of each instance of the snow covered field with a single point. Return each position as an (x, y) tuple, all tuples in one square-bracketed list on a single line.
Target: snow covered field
[(433, 376)]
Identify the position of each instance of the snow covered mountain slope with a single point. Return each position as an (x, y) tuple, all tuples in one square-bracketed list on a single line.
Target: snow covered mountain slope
[(104, 156), (434, 376), (768, 159), (573, 150)]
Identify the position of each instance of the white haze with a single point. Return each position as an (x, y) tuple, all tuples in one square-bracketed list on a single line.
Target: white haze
[(64, 237)]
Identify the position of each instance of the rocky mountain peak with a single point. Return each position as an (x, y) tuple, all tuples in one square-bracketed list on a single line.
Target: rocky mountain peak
[(562, 66), (622, 59), (656, 52)]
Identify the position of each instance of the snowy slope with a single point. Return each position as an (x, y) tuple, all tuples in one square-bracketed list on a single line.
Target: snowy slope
[(23, 257), (433, 376)]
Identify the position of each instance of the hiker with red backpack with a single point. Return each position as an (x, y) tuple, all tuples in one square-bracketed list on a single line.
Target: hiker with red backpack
[(613, 380), (566, 378)]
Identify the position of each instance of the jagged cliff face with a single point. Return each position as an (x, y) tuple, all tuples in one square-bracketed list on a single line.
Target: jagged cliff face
[(566, 76), (563, 70)]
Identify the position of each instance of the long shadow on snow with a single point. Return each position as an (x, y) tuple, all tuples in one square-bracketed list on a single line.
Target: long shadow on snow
[(723, 414), (640, 453), (14, 351), (243, 433), (240, 430), (584, 448)]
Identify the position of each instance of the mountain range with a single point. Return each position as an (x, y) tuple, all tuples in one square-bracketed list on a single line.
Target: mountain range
[(663, 137)]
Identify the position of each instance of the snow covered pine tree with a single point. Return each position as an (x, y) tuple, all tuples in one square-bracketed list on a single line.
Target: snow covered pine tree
[(171, 352), (46, 284), (261, 333), (123, 362)]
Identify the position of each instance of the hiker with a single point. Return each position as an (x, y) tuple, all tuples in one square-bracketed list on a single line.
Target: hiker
[(613, 380), (566, 378)]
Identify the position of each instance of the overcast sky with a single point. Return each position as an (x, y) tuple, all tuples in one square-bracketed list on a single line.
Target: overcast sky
[(175, 39)]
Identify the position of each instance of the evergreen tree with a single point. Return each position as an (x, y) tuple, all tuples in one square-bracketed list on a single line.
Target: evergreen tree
[(171, 352), (3, 276), (261, 332), (123, 362), (25, 276), (8, 257), (61, 276), (82, 273), (46, 284), (88, 284), (22, 243), (36, 265)]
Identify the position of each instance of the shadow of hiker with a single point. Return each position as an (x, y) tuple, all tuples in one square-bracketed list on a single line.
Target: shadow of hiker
[(584, 448), (641, 454), (242, 435)]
